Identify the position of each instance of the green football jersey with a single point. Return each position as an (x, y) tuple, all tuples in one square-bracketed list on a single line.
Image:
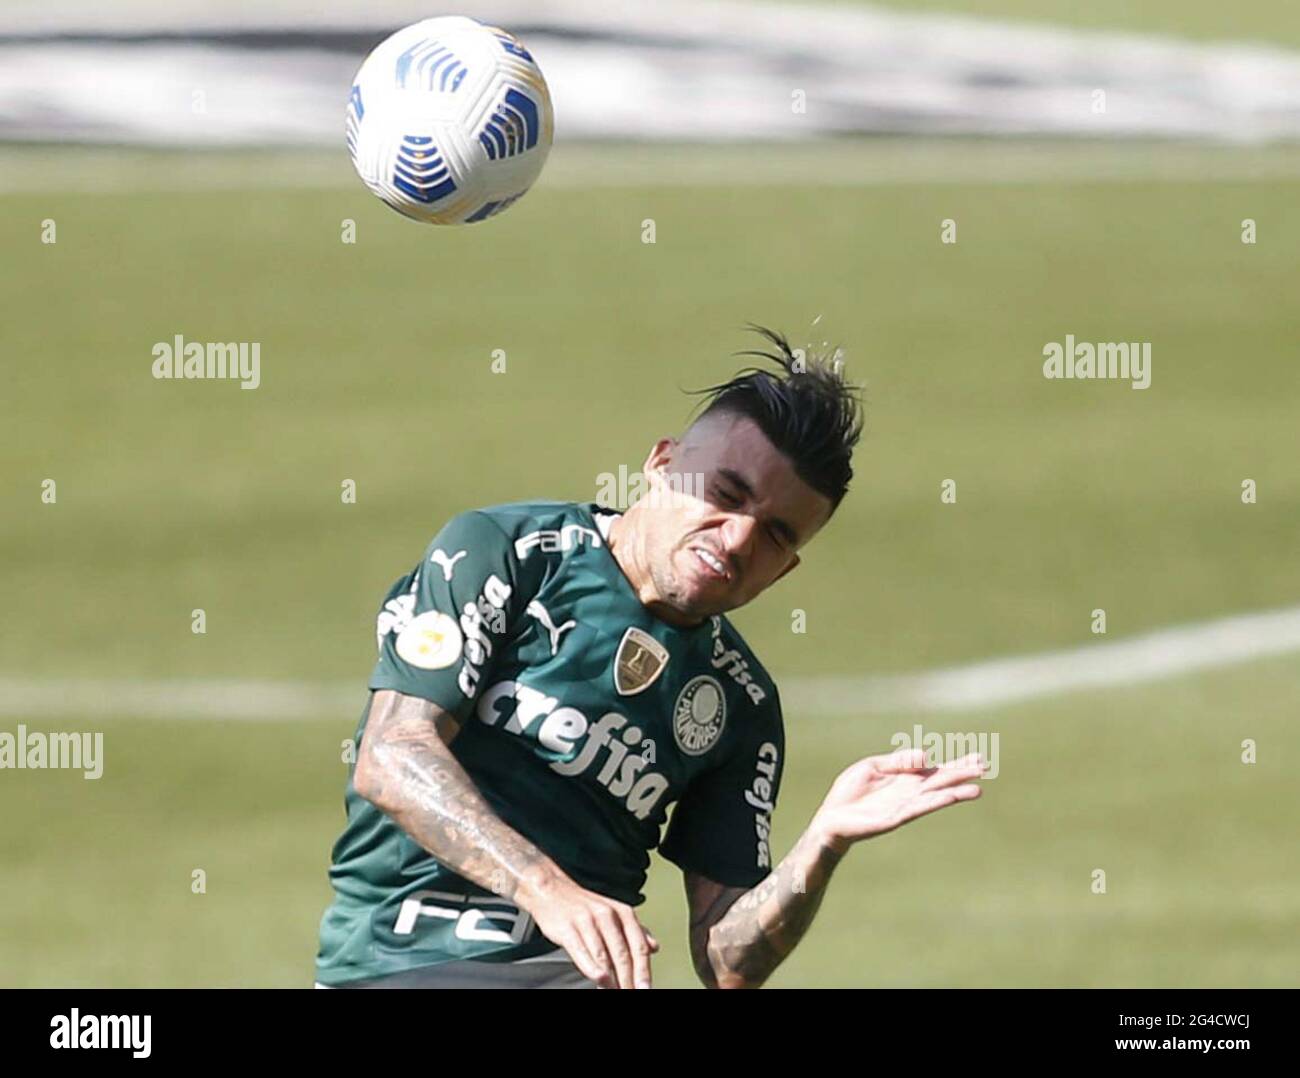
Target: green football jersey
[(584, 718)]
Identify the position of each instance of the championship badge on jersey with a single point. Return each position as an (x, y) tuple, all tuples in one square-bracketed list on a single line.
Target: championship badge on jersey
[(640, 659)]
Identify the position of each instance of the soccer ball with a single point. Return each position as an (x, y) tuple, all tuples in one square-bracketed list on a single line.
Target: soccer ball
[(449, 121)]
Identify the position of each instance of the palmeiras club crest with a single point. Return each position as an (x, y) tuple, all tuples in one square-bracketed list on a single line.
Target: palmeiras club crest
[(640, 659), (699, 715)]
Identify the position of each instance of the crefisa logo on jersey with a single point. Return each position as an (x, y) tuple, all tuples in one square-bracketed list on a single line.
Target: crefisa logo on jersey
[(621, 750), (486, 615), (736, 664), (759, 795), (699, 715)]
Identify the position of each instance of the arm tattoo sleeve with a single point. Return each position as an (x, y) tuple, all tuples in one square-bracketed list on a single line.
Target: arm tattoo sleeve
[(411, 775), (741, 941)]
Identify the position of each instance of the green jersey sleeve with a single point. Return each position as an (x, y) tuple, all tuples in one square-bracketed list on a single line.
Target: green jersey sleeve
[(722, 826), (443, 624)]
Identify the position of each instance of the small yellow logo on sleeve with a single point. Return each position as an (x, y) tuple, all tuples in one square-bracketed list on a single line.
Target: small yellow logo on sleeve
[(431, 642)]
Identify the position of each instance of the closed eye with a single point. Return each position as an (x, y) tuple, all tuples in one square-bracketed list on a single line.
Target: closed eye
[(779, 533), (779, 530)]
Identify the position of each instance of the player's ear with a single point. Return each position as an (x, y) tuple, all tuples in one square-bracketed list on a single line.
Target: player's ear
[(661, 455)]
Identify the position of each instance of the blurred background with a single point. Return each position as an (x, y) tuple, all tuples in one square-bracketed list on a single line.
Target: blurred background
[(1099, 164)]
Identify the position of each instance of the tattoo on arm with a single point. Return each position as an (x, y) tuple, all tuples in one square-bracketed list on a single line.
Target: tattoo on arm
[(410, 773), (738, 938)]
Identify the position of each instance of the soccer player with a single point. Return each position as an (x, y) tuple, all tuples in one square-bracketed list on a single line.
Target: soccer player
[(552, 677)]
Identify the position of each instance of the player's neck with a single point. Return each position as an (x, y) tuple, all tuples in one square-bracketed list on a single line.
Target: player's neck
[(628, 548)]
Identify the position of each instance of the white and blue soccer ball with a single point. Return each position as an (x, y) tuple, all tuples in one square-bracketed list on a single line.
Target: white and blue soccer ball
[(449, 120)]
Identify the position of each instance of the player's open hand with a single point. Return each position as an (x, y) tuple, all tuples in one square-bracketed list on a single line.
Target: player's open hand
[(603, 937), (879, 793)]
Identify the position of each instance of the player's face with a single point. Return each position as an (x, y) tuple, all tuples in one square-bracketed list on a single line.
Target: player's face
[(727, 517)]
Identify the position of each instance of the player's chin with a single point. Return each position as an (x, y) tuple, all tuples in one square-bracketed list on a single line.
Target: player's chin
[(703, 599)]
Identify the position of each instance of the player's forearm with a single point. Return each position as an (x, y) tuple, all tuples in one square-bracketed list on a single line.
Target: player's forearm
[(747, 943), (407, 771)]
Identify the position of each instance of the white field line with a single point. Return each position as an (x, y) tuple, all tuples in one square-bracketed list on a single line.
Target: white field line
[(992, 162), (1166, 653), (1154, 656)]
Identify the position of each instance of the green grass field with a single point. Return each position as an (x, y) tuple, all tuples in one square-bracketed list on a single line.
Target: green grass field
[(1266, 22), (376, 367)]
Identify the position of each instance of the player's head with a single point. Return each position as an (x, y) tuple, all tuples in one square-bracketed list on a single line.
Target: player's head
[(754, 477)]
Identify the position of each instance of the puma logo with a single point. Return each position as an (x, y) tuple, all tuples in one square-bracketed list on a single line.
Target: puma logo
[(447, 564), (543, 615)]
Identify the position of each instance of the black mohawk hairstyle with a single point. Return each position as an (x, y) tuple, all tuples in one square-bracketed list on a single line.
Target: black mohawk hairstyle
[(805, 408)]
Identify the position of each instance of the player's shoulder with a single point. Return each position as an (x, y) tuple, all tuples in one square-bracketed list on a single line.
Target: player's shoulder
[(542, 526), (736, 662), (516, 520)]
